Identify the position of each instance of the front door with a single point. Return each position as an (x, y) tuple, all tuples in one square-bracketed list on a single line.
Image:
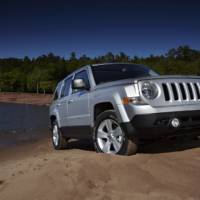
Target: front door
[(78, 105)]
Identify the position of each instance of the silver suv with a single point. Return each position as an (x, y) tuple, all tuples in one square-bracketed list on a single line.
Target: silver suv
[(118, 105)]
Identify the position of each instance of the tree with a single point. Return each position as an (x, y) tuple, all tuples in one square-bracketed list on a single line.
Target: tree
[(73, 56), (109, 57), (42, 73)]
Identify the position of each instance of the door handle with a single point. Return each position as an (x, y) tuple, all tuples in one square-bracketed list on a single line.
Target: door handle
[(70, 101), (58, 105)]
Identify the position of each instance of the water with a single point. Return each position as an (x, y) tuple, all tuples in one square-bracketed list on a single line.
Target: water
[(19, 122)]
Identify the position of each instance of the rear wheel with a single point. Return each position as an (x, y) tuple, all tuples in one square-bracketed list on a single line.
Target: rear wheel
[(109, 136), (59, 142)]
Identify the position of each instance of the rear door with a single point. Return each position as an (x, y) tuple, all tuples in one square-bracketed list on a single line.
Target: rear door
[(63, 102)]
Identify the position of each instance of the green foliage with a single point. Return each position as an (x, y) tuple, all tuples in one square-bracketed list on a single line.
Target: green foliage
[(42, 73)]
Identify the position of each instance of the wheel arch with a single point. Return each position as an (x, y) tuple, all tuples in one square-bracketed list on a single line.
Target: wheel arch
[(101, 107), (54, 117)]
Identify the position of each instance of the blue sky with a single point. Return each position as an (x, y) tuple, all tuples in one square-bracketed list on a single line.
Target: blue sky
[(32, 28)]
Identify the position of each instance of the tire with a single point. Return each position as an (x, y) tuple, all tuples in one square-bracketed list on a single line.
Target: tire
[(58, 141), (116, 141)]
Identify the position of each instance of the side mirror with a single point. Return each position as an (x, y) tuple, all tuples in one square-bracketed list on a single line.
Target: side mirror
[(79, 84)]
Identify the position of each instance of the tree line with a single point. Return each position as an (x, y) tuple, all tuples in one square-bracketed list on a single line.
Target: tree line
[(41, 74)]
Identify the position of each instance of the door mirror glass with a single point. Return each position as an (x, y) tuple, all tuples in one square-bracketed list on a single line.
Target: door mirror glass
[(79, 84)]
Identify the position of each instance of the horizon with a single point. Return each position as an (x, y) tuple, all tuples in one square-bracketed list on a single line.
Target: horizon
[(67, 57)]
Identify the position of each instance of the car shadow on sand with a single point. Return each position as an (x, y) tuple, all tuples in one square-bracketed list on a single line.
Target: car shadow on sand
[(86, 145), (153, 147), (170, 145)]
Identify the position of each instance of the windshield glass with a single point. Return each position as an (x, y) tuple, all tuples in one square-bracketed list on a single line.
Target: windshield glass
[(113, 72)]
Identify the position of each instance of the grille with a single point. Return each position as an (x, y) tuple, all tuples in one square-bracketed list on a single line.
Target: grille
[(181, 91)]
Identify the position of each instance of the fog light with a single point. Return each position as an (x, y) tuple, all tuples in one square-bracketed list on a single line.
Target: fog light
[(175, 123)]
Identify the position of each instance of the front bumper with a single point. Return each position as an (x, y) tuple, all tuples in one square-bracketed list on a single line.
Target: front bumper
[(159, 124)]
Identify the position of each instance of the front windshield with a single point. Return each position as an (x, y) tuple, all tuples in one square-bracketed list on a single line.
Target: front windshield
[(113, 72)]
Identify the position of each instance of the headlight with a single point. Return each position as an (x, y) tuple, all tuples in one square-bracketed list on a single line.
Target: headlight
[(149, 90)]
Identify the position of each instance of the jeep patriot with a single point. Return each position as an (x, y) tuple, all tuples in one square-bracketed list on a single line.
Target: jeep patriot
[(117, 105)]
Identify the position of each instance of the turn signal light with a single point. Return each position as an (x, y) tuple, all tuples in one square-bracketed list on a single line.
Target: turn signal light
[(133, 100)]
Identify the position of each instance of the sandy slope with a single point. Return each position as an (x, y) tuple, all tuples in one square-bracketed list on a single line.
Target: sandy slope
[(160, 171)]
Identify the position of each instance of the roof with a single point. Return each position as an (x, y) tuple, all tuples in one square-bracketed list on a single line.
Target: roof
[(100, 64)]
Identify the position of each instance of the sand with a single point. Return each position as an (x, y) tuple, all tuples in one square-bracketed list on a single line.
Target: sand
[(32, 170), (162, 170)]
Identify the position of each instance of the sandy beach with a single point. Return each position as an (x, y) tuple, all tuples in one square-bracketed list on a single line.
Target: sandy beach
[(25, 98), (161, 171), (31, 169)]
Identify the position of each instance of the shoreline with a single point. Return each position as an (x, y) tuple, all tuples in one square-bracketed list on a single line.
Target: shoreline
[(26, 98)]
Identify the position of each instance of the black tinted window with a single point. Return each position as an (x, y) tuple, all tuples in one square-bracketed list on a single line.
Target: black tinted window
[(66, 87), (114, 72), (55, 95)]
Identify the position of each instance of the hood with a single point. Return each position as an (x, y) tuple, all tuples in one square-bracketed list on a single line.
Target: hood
[(135, 80), (166, 77)]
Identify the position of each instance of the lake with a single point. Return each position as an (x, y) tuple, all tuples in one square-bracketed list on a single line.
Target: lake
[(22, 123)]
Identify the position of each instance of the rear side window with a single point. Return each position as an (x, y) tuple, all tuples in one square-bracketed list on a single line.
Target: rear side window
[(57, 91), (66, 88)]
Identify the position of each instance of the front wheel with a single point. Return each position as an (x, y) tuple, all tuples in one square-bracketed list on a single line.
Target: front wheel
[(109, 136)]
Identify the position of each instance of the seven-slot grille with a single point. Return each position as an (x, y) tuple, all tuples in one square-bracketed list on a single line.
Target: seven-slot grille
[(181, 91)]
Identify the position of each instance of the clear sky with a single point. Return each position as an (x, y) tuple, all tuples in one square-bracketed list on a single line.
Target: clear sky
[(143, 27)]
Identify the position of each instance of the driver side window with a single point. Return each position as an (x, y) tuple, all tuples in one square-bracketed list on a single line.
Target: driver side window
[(66, 88)]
